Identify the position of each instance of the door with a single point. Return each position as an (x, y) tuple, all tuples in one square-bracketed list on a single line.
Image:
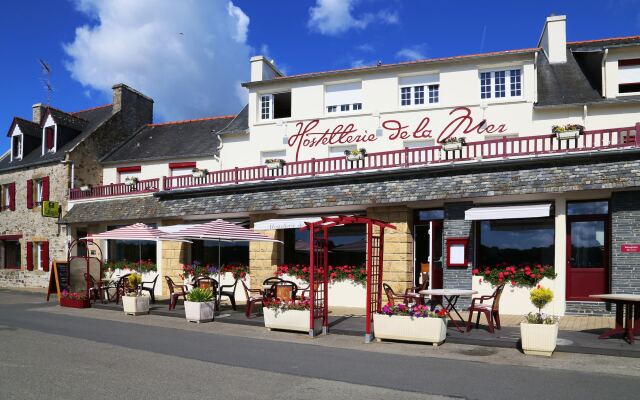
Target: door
[(436, 255), (422, 244), (587, 256)]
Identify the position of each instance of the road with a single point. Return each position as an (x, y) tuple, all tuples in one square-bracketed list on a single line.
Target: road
[(50, 352)]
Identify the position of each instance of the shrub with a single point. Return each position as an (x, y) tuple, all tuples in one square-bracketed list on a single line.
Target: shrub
[(135, 280), (540, 297), (199, 295)]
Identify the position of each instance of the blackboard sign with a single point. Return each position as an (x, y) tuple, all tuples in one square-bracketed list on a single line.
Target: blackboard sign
[(60, 278)]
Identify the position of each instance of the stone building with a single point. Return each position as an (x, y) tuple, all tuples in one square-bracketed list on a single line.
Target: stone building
[(53, 153)]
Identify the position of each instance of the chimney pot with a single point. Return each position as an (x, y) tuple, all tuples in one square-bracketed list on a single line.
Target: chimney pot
[(37, 112)]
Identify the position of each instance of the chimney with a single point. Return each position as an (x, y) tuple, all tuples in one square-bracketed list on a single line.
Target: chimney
[(37, 112), (554, 39), (135, 108), (263, 69)]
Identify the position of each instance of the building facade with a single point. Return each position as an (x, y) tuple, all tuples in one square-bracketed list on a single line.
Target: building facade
[(459, 153)]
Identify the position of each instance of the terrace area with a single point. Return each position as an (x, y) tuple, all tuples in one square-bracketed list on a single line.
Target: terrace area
[(518, 148)]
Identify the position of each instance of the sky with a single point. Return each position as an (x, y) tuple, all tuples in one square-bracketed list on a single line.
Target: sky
[(190, 56)]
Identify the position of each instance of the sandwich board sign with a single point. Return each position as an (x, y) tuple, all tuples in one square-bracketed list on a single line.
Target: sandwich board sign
[(59, 279)]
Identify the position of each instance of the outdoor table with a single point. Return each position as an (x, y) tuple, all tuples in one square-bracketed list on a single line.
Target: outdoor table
[(628, 304), (452, 296)]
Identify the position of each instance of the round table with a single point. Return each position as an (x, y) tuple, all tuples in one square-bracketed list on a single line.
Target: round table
[(452, 296), (628, 304)]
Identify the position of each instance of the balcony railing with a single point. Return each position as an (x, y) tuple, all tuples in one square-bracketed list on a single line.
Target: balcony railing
[(519, 147), (116, 189)]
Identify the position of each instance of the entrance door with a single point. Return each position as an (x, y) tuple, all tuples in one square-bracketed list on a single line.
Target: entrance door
[(428, 253), (587, 256), (436, 255)]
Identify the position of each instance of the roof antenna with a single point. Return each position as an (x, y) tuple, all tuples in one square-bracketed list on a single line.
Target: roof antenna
[(379, 63), (46, 80)]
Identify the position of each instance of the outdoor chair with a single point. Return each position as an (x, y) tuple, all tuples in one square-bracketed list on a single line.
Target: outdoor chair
[(151, 289), (269, 282), (394, 298), (96, 291), (253, 296), (175, 292), (300, 294), (490, 310), (424, 285), (206, 282), (284, 290), (122, 287), (231, 294)]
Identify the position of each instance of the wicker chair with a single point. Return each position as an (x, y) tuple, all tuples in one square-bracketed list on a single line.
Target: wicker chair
[(490, 310)]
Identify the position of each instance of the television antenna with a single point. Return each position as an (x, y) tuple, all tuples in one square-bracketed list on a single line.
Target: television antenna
[(46, 79)]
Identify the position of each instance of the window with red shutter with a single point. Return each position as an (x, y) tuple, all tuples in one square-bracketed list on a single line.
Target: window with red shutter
[(30, 256), (30, 194), (45, 188), (44, 246), (49, 137), (12, 196)]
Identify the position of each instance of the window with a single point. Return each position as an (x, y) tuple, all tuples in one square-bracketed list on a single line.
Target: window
[(629, 75), (37, 255), (49, 138), (588, 208), (415, 144), (17, 144), (343, 97), (6, 197), (38, 186), (131, 250), (129, 172), (418, 95), (405, 96), (182, 168), (275, 106), (429, 215), (231, 253), (277, 154), (434, 94), (515, 242), (12, 254), (493, 84), (347, 246), (338, 151), (412, 90)]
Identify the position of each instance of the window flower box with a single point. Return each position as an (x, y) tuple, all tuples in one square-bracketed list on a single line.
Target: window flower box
[(85, 188), (567, 132), (135, 305), (355, 155), (199, 173), (131, 181), (274, 163), (75, 303), (453, 144), (414, 324)]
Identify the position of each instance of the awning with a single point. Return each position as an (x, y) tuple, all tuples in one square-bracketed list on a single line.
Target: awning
[(283, 223), (508, 212)]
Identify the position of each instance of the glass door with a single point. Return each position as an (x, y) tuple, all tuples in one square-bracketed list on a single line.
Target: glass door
[(422, 244)]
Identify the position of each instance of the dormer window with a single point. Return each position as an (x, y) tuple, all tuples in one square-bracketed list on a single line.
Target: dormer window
[(629, 76), (50, 139), (16, 146)]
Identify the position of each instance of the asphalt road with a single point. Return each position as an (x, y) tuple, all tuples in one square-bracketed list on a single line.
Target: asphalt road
[(53, 355)]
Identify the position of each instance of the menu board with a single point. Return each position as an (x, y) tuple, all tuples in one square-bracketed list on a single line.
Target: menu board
[(59, 279)]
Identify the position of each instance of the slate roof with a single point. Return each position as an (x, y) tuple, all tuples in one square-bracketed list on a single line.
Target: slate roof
[(66, 119), (180, 139), (93, 118), (239, 124), (136, 209), (27, 127), (600, 44)]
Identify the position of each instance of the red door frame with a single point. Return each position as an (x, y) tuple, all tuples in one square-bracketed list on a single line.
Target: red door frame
[(606, 268)]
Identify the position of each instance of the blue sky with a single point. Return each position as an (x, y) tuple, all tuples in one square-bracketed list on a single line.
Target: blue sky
[(191, 55)]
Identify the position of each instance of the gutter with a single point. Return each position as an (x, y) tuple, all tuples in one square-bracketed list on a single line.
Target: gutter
[(604, 72)]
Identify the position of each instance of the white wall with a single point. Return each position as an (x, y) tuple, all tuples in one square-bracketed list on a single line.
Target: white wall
[(155, 169)]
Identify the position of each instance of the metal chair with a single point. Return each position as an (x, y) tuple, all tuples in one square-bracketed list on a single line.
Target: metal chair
[(231, 294), (253, 296), (151, 289), (96, 291), (491, 311), (175, 292), (394, 298), (122, 287)]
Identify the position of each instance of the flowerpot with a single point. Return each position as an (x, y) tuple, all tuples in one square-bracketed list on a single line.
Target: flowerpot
[(290, 320), (355, 157), (567, 135), (130, 182), (85, 188), (199, 311), (275, 165), (403, 327), (538, 339), (199, 173), (452, 146), (74, 303), (135, 305)]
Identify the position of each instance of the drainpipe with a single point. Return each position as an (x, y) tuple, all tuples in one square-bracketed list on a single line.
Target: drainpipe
[(535, 76), (584, 115), (73, 172), (604, 72)]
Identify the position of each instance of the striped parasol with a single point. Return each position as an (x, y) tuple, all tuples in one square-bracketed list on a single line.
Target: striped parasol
[(137, 231), (222, 230)]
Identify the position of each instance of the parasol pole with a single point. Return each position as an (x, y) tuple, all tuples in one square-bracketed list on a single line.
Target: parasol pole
[(219, 268)]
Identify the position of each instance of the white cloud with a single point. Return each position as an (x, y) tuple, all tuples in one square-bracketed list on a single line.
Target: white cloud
[(412, 53), (333, 17), (189, 56)]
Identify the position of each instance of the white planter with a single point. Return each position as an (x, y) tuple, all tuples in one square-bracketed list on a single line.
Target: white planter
[(452, 146), (291, 320), (516, 300), (199, 173), (130, 181), (275, 165), (566, 135), (199, 311), (341, 294), (538, 339), (355, 157), (135, 305), (400, 327)]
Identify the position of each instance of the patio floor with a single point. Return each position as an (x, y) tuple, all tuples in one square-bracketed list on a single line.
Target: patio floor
[(578, 334)]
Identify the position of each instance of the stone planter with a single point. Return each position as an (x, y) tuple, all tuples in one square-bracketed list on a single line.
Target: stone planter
[(135, 305), (567, 135), (290, 320), (199, 311), (538, 339), (278, 164), (401, 327), (452, 146), (73, 303)]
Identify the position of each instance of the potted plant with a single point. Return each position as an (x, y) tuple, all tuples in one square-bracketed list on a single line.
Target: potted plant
[(74, 300), (453, 143), (131, 180), (85, 188), (355, 155), (566, 132), (416, 323), (135, 303), (199, 305), (291, 315), (199, 173), (539, 332), (274, 163)]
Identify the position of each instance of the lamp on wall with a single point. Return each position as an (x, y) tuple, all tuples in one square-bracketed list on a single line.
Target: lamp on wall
[(379, 130)]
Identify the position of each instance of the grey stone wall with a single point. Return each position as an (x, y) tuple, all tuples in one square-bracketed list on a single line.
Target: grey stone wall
[(455, 226), (21, 278), (588, 308), (625, 229)]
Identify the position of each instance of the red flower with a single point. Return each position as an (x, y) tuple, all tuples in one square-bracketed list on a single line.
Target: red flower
[(474, 271)]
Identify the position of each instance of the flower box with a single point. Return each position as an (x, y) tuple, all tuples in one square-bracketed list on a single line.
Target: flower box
[(75, 303), (404, 327), (567, 135), (85, 188), (199, 173), (199, 311), (290, 320), (131, 181), (355, 157), (452, 146), (135, 305), (274, 163), (539, 339)]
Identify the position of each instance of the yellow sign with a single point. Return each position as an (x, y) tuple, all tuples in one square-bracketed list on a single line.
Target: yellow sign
[(50, 209)]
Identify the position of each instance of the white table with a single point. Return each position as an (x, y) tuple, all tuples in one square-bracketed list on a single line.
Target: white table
[(452, 296), (628, 304)]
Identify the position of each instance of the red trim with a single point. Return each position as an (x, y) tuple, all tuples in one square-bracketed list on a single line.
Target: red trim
[(11, 237), (606, 39), (45, 256), (186, 121), (176, 165), (458, 241), (49, 137), (30, 194), (29, 256), (629, 61), (45, 188), (136, 168)]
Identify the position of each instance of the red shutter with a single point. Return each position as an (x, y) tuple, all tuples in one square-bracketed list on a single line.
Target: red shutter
[(29, 194), (45, 255), (49, 138), (45, 188), (12, 196), (30, 256)]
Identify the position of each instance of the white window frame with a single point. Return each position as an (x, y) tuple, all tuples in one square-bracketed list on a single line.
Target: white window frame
[(420, 89), (6, 196), (37, 248), (44, 139), (268, 98), (344, 107), (122, 176), (38, 187), (20, 137), (337, 151), (509, 80), (414, 144)]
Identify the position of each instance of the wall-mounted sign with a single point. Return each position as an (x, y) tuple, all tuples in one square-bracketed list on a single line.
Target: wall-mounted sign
[(50, 209), (630, 248), (457, 252), (461, 123)]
